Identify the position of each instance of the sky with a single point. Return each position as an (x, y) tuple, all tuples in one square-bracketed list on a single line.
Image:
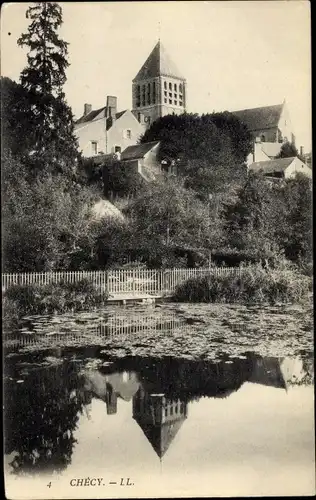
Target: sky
[(234, 54)]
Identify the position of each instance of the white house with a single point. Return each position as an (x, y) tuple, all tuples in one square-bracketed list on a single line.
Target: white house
[(106, 131), (283, 168)]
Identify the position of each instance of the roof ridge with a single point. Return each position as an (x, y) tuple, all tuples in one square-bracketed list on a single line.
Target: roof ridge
[(258, 107)]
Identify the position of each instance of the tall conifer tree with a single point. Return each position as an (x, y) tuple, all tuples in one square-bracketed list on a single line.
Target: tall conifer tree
[(53, 147)]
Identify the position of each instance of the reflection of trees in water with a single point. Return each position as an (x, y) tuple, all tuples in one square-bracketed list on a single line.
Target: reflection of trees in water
[(188, 380), (41, 416), (41, 413)]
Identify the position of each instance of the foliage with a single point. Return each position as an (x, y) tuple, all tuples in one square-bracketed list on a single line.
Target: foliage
[(295, 227), (41, 417), (207, 150), (121, 180), (250, 221), (55, 297), (52, 145), (169, 214), (45, 223), (255, 284), (289, 150), (15, 127)]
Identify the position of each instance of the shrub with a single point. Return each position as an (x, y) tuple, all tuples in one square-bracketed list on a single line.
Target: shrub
[(255, 284), (54, 297)]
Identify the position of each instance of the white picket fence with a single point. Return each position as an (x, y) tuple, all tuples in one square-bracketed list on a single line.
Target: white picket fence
[(120, 281)]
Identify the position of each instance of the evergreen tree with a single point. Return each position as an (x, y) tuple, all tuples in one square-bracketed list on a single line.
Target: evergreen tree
[(289, 150), (52, 145)]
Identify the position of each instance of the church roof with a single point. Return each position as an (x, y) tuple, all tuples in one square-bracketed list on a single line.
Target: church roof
[(158, 63), (138, 151), (270, 166), (96, 115), (260, 118), (160, 436)]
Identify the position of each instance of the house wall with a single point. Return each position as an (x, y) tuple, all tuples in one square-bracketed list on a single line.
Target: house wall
[(91, 131), (267, 135), (107, 140), (285, 125), (117, 135), (257, 154), (297, 167)]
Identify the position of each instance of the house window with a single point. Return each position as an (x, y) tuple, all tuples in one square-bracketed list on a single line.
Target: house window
[(94, 147), (263, 138), (117, 149), (128, 134)]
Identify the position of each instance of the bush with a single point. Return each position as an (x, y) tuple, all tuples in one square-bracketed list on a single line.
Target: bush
[(255, 284), (51, 298)]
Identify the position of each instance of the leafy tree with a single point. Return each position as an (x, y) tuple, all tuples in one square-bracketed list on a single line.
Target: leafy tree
[(167, 217), (250, 221), (15, 128), (45, 224), (295, 231), (288, 150), (217, 141), (52, 144), (120, 179)]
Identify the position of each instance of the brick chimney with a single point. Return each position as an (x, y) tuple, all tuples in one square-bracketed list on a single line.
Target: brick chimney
[(111, 110), (111, 106), (87, 109)]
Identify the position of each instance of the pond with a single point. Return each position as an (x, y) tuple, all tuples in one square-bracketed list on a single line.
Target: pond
[(161, 401)]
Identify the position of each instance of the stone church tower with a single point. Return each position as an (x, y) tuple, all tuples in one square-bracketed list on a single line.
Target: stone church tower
[(159, 89)]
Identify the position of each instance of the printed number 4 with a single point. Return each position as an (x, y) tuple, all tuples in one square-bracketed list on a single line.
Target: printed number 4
[(49, 485)]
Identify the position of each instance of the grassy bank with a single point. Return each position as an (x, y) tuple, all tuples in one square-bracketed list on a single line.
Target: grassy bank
[(22, 300), (255, 285)]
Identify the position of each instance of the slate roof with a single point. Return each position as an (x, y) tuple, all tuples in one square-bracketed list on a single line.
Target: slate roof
[(96, 115), (158, 63), (160, 436), (138, 151), (278, 165), (260, 118)]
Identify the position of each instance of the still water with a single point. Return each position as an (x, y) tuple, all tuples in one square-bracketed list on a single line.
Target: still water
[(79, 422)]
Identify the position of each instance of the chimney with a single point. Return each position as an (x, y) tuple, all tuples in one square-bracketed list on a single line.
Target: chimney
[(111, 106), (302, 151), (87, 109), (256, 148)]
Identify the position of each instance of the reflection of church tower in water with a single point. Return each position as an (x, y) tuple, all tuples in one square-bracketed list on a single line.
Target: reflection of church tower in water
[(159, 418)]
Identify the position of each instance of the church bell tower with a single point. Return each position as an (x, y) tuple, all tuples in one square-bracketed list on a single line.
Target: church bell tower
[(159, 89)]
